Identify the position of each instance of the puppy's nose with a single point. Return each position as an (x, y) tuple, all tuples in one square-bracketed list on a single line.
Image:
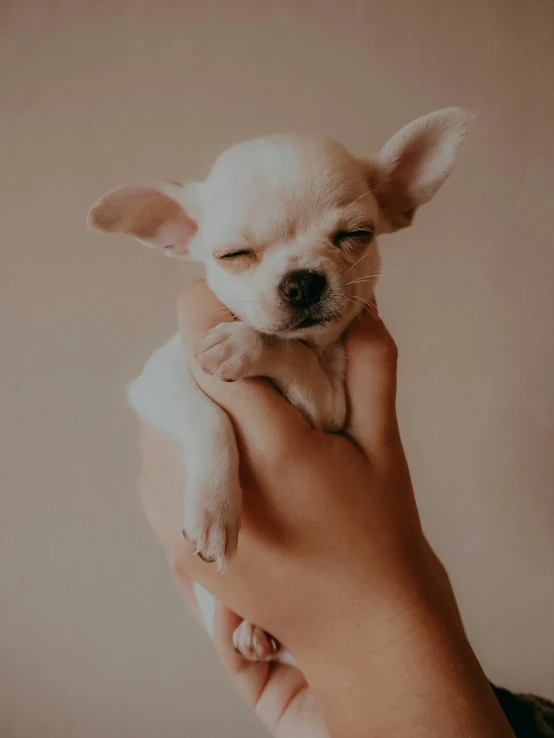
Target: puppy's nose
[(302, 288)]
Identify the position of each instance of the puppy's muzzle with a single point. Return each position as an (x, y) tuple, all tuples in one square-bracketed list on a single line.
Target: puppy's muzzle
[(302, 288)]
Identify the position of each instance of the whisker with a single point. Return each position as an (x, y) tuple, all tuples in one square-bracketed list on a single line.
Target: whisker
[(373, 274), (352, 302), (367, 278), (361, 281), (369, 305), (368, 192), (360, 197), (349, 299), (367, 253), (361, 299)]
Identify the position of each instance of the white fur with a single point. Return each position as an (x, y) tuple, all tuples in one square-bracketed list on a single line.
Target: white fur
[(167, 396), (287, 201)]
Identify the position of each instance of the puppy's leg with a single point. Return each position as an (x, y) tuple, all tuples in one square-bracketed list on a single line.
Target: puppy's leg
[(167, 396), (313, 383), (211, 517)]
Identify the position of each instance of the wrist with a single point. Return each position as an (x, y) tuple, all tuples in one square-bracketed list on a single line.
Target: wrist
[(408, 669), (364, 620)]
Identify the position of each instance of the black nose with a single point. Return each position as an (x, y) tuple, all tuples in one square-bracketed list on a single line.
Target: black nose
[(302, 289)]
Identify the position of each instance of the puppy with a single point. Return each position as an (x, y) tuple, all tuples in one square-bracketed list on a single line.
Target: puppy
[(286, 227)]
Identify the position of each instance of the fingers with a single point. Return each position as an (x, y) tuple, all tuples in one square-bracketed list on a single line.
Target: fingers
[(264, 421), (276, 693), (371, 383), (248, 678)]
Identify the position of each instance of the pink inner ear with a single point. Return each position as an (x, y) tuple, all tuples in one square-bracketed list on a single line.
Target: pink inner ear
[(159, 220), (175, 235)]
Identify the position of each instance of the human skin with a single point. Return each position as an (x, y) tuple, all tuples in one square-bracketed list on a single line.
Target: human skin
[(332, 559)]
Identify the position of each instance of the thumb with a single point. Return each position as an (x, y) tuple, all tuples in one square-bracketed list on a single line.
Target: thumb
[(371, 360)]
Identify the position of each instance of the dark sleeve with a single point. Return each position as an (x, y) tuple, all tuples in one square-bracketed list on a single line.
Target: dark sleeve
[(529, 716)]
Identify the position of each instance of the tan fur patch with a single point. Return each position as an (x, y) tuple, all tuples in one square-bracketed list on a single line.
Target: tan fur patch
[(238, 264)]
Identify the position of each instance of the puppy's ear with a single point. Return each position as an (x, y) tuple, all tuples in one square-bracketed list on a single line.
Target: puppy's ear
[(156, 214), (414, 163)]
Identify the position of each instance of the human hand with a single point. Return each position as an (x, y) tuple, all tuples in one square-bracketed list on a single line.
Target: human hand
[(332, 560), (277, 694), (340, 504)]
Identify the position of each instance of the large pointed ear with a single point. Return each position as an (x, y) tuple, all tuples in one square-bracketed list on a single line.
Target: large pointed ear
[(158, 215), (412, 166)]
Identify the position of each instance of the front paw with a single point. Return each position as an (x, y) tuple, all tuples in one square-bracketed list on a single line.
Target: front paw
[(231, 351), (211, 524)]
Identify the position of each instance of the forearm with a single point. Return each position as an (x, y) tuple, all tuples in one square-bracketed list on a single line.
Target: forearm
[(426, 681)]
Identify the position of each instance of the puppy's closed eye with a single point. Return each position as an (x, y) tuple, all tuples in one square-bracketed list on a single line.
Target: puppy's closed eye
[(360, 236), (237, 253), (236, 260)]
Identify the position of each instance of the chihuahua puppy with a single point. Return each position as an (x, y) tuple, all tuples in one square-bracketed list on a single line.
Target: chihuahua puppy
[(286, 227)]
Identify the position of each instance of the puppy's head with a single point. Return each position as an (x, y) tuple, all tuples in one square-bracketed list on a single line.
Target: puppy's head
[(286, 226)]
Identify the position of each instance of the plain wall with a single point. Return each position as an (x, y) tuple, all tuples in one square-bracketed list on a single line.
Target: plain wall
[(94, 640)]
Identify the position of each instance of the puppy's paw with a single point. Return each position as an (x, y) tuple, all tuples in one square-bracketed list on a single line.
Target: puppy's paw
[(212, 526), (231, 351), (254, 644)]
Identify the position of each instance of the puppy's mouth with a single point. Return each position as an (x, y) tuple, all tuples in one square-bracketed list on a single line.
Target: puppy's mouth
[(315, 318), (308, 322)]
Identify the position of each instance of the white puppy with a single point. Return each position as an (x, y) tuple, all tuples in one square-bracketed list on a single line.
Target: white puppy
[(286, 228)]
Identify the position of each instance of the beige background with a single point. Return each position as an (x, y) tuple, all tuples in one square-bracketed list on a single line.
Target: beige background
[(93, 639)]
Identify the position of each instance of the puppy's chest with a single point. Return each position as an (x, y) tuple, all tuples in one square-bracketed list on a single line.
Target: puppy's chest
[(328, 399), (333, 363)]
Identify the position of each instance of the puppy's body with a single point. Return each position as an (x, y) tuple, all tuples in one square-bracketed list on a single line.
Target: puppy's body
[(286, 228)]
